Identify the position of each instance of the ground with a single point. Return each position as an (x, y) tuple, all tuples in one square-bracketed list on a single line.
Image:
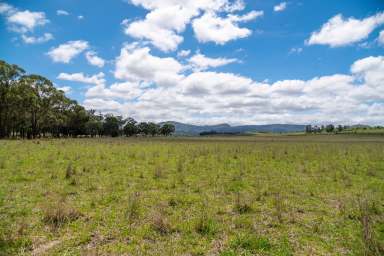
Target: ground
[(251, 195)]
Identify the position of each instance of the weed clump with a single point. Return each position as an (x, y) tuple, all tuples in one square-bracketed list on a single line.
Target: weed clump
[(70, 171), (133, 210), (161, 224), (240, 206), (250, 243), (158, 172), (278, 204), (59, 214), (367, 211), (205, 225)]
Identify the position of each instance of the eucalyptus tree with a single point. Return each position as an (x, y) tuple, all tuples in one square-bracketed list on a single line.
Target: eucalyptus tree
[(9, 76)]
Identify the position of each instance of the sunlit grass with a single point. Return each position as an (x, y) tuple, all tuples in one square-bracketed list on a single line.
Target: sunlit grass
[(285, 195)]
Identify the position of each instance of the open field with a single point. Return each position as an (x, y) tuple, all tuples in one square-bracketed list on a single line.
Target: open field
[(262, 195)]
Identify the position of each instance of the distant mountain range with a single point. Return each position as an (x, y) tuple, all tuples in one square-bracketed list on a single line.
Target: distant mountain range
[(189, 129)]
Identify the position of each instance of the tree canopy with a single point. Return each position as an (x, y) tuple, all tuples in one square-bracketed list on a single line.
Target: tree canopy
[(30, 107)]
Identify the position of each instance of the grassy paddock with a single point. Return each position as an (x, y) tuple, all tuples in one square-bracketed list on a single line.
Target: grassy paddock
[(262, 195)]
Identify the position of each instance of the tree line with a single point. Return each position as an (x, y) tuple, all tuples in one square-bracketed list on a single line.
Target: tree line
[(31, 107)]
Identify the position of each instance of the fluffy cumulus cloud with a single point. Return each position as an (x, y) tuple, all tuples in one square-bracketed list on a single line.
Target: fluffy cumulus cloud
[(340, 31), (213, 28), (64, 53), (201, 62), (97, 79), (280, 7), (25, 22), (162, 88), (138, 64), (94, 60), (167, 19)]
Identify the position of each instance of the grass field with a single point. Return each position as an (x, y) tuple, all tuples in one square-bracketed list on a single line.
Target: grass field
[(261, 195)]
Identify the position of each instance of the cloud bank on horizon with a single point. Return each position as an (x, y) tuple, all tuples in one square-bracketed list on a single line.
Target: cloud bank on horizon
[(189, 61)]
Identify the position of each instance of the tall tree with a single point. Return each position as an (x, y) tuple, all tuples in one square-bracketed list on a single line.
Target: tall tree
[(9, 75), (130, 127), (167, 129)]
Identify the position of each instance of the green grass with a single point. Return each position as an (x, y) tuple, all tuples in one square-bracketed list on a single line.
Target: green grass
[(259, 195)]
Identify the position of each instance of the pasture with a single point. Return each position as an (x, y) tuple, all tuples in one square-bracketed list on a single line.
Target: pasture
[(253, 195)]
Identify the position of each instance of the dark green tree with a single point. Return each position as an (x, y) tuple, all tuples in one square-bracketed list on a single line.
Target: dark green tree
[(167, 129), (143, 128), (130, 127), (330, 128), (112, 125), (154, 129), (9, 77)]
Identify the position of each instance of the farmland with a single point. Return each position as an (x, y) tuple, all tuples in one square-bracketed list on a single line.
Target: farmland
[(248, 195)]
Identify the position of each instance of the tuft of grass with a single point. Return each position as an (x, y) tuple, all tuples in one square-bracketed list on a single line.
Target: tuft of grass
[(133, 210), (160, 223), (70, 171), (240, 206), (278, 203), (250, 243), (159, 172), (60, 213), (205, 225), (367, 210)]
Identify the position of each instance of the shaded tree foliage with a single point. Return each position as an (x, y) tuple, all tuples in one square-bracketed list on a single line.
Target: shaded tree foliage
[(167, 129)]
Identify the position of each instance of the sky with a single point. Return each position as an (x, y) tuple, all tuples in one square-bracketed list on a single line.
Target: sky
[(207, 61)]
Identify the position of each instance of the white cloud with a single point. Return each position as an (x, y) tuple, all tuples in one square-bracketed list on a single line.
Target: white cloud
[(80, 17), (204, 84), (102, 105), (64, 53), (213, 97), (200, 62), (125, 91), (168, 18), (6, 8), (22, 21), (280, 7), (339, 31), (62, 13), (371, 69), (65, 89), (94, 60), (212, 28), (26, 21), (36, 40), (137, 64), (161, 27), (183, 53), (97, 79)]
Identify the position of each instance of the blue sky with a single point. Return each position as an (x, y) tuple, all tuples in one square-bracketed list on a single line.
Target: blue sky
[(248, 61)]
